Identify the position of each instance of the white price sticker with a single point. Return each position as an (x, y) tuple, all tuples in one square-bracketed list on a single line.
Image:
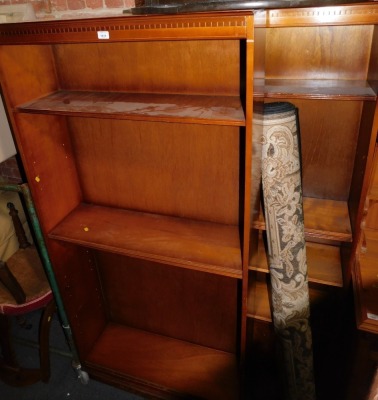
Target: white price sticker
[(103, 34)]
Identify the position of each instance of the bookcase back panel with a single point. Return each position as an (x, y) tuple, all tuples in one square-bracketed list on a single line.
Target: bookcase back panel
[(328, 137), (318, 52), (194, 67), (194, 306), (166, 168)]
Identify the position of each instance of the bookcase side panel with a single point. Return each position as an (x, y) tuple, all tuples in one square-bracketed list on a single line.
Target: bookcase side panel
[(80, 288), (27, 67)]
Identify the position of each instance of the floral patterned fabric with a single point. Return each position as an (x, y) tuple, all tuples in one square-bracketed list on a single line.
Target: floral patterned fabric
[(282, 192)]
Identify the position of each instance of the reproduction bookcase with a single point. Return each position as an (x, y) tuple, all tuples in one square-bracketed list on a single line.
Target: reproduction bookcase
[(136, 134), (325, 61)]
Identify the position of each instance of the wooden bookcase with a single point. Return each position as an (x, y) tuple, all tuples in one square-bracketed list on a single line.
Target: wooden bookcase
[(325, 61), (139, 151)]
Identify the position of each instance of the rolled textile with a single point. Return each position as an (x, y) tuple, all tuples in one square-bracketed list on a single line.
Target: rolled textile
[(283, 209)]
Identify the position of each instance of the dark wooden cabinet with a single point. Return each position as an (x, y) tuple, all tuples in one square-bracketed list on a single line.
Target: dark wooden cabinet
[(137, 136)]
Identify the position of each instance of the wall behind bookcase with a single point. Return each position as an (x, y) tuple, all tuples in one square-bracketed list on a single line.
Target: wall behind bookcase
[(50, 9)]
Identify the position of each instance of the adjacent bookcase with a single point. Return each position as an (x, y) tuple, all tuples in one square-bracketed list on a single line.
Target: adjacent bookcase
[(325, 61)]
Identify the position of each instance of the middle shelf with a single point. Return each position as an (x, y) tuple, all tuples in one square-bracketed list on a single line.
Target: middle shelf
[(323, 262), (217, 110), (203, 246), (324, 219)]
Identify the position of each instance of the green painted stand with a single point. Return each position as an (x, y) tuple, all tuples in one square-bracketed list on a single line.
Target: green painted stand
[(23, 189)]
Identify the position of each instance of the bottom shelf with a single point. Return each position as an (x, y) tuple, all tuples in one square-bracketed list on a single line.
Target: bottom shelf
[(162, 367)]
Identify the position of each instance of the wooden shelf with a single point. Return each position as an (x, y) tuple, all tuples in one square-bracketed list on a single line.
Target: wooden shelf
[(157, 364), (366, 284), (324, 219), (196, 245), (331, 89), (323, 262), (258, 299), (258, 306), (217, 110)]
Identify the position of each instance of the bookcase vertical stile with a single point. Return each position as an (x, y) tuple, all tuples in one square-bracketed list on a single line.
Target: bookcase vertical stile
[(247, 81)]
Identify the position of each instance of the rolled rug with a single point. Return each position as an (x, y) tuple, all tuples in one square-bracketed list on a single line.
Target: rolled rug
[(283, 209)]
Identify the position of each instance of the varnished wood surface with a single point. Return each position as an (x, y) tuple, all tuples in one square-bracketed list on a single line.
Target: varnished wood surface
[(326, 89), (258, 298), (189, 305), (318, 52), (259, 304), (328, 145), (362, 166), (155, 107), (162, 365), (366, 284), (373, 186), (365, 272), (323, 219), (225, 25), (176, 241), (45, 158), (372, 215), (160, 67), (323, 262), (80, 287), (354, 14), (183, 170)]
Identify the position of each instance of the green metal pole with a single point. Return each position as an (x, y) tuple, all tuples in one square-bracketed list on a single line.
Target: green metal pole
[(24, 190)]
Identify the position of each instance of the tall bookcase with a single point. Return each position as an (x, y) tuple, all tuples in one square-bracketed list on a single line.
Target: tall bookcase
[(135, 136), (137, 139)]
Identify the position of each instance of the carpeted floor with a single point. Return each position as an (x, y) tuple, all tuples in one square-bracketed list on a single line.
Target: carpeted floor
[(64, 383)]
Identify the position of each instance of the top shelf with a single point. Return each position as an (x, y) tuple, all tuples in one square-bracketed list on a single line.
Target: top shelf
[(215, 110), (331, 89)]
